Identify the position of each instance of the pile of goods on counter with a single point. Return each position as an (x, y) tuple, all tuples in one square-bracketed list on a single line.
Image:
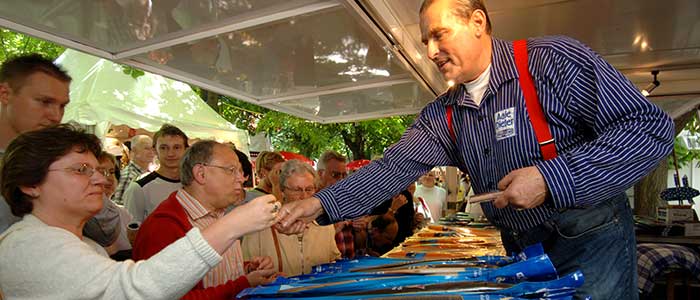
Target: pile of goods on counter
[(438, 262), (436, 241)]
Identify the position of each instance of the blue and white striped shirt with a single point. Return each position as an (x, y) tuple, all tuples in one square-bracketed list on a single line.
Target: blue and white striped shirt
[(607, 136)]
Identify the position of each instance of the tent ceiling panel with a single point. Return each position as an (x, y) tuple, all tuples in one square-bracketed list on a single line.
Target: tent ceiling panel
[(120, 25), (295, 55), (343, 60)]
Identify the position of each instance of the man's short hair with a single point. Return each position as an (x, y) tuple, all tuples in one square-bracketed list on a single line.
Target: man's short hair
[(327, 156), (200, 153), (266, 160), (135, 140), (28, 157), (463, 9), (14, 71), (171, 130), (293, 167)]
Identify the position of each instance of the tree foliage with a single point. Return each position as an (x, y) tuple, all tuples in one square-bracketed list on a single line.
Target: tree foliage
[(357, 140), (14, 44)]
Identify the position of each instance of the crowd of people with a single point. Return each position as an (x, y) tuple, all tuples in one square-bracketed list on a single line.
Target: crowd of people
[(187, 229)]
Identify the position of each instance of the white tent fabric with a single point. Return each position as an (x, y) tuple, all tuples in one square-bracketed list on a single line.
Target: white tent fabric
[(102, 95)]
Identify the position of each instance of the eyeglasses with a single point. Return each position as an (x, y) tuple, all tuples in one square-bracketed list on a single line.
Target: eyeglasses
[(339, 175), (82, 169), (106, 172), (228, 170), (299, 190)]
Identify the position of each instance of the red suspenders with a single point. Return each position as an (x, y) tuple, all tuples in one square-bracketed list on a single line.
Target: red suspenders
[(532, 103)]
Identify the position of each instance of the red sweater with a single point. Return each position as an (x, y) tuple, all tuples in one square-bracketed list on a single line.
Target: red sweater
[(164, 226)]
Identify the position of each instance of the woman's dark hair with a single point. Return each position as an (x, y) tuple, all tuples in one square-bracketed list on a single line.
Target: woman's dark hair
[(28, 157), (404, 216), (246, 166)]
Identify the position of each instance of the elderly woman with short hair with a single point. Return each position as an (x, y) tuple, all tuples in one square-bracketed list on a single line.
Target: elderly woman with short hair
[(294, 254), (50, 179)]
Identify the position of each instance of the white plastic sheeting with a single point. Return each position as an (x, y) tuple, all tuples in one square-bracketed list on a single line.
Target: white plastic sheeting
[(102, 95)]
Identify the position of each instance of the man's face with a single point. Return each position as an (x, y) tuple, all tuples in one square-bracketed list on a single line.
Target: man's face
[(170, 149), (428, 180), (335, 171), (143, 151), (452, 43), (38, 103), (224, 186)]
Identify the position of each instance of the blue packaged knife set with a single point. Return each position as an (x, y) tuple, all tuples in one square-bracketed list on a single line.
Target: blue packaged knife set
[(528, 275)]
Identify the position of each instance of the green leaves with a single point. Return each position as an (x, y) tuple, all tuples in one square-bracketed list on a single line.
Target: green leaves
[(131, 71), (14, 44)]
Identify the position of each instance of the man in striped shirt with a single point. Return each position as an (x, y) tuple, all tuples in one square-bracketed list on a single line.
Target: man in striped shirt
[(606, 134), (212, 180), (142, 154)]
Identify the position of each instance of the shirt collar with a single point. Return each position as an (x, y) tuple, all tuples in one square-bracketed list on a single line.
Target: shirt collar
[(135, 166), (193, 208), (502, 69)]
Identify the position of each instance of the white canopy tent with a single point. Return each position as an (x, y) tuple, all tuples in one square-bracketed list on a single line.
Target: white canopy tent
[(103, 95)]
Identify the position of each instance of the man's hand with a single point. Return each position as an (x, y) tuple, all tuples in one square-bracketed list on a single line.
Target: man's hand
[(522, 188), (360, 224), (294, 215)]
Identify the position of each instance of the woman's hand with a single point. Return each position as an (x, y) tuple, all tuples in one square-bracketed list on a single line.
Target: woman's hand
[(256, 215), (260, 263), (396, 202), (261, 277)]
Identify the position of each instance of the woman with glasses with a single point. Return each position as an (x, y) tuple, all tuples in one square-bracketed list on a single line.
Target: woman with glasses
[(50, 178), (294, 254), (121, 248)]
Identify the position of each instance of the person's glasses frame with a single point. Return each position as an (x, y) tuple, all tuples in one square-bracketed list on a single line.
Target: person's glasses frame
[(85, 170), (299, 190), (232, 171), (339, 175)]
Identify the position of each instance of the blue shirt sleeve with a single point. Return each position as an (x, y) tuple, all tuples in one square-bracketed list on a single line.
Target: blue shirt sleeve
[(631, 134)]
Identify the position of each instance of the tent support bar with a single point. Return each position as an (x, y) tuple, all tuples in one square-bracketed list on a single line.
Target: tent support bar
[(340, 88)]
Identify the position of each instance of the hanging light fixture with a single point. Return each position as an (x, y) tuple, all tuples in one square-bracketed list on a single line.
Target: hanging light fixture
[(652, 85)]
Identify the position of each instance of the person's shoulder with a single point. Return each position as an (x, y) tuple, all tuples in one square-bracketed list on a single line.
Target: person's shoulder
[(561, 46), (30, 235), (170, 208), (556, 42), (146, 178)]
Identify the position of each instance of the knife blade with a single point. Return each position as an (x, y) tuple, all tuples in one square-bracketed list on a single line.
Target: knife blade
[(485, 197)]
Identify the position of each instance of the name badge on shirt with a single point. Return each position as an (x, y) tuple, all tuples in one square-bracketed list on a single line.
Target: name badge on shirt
[(505, 123)]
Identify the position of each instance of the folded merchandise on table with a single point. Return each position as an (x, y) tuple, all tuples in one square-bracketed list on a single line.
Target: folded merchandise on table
[(436, 241), (527, 275)]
